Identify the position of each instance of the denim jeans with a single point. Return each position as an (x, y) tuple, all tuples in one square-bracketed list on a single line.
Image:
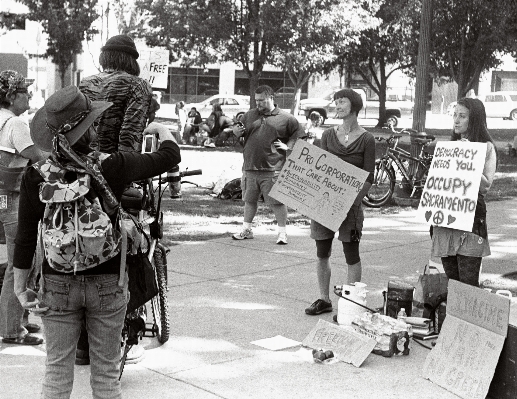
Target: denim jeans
[(101, 303), (11, 311)]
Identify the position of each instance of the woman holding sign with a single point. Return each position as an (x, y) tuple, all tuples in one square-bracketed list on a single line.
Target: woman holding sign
[(461, 252), (353, 144)]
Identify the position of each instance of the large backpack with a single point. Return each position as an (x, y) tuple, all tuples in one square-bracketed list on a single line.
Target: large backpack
[(76, 232)]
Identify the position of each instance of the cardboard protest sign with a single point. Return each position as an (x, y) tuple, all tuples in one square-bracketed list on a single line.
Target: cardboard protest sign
[(347, 345), (450, 194), (318, 184), (154, 66), (470, 342)]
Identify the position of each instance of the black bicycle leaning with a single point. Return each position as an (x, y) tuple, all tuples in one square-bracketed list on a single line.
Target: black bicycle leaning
[(143, 206), (412, 170)]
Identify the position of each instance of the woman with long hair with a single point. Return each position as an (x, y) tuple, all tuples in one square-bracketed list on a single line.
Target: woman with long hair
[(215, 126), (461, 252)]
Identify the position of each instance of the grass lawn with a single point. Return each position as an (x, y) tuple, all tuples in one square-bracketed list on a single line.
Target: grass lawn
[(200, 216)]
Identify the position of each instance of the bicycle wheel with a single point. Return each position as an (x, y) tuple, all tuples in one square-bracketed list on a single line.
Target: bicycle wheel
[(159, 303), (383, 185)]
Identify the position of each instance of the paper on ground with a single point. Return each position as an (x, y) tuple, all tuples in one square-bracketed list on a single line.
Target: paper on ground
[(276, 343)]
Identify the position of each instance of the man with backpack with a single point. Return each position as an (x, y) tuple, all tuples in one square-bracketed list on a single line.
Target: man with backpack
[(83, 275)]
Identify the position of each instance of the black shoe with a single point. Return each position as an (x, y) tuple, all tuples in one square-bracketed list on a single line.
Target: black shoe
[(318, 307), (82, 357)]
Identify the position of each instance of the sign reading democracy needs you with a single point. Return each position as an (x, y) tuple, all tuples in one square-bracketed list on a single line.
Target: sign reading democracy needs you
[(318, 184), (154, 66), (450, 194)]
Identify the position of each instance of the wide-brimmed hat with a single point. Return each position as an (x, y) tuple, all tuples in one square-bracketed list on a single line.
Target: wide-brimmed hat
[(67, 111)]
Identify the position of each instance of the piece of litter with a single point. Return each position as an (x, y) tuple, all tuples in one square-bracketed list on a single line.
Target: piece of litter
[(276, 343)]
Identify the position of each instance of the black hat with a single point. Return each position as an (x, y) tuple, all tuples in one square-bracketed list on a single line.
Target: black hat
[(121, 43)]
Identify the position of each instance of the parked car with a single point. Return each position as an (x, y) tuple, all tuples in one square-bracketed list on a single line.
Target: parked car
[(284, 97), (233, 105), (325, 105), (498, 104)]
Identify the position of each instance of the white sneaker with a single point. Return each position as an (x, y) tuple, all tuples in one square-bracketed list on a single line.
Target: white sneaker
[(244, 234), (135, 354), (281, 239)]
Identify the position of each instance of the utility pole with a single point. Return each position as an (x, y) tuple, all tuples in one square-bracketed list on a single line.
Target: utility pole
[(422, 77), (422, 69)]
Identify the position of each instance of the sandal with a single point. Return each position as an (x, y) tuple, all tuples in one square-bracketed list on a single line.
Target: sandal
[(27, 340), (32, 328)]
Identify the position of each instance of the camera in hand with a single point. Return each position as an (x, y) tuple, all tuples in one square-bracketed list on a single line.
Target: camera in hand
[(149, 144)]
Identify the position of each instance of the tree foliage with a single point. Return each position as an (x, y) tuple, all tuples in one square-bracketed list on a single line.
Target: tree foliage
[(468, 37), (320, 29), (382, 50), (247, 32), (67, 23)]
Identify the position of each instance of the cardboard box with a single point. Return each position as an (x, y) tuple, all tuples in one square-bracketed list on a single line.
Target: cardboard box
[(504, 384)]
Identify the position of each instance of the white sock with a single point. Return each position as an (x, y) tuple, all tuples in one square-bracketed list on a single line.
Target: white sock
[(281, 229), (246, 225)]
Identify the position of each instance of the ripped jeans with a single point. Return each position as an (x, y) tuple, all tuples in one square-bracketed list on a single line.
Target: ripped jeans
[(101, 303)]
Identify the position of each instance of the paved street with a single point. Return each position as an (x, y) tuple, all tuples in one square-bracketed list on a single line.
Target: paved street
[(224, 294)]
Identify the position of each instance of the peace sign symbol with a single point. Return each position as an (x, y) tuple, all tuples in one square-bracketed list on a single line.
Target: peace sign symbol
[(438, 217)]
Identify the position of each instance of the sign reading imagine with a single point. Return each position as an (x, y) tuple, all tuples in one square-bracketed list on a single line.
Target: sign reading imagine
[(450, 194), (470, 342), (318, 184)]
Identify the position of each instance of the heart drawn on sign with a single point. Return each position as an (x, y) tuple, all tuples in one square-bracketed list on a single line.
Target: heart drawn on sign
[(450, 219), (428, 215)]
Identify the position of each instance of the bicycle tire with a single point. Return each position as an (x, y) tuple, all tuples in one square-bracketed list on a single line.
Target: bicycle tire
[(383, 185), (159, 303)]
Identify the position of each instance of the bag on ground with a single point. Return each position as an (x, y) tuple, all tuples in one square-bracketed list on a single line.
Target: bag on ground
[(76, 232), (231, 190), (431, 287)]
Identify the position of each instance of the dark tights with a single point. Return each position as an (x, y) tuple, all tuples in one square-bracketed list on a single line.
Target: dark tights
[(462, 268)]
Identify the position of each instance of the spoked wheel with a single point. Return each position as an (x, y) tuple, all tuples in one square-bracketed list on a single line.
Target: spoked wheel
[(127, 348), (383, 185), (159, 303)]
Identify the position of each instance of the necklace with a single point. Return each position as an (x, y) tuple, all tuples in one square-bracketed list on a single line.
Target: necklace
[(347, 133)]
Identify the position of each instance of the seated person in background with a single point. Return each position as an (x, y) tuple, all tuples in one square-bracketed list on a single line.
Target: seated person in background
[(218, 126), (312, 128), (193, 121)]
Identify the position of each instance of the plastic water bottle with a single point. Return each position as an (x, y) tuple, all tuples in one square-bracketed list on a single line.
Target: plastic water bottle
[(402, 314)]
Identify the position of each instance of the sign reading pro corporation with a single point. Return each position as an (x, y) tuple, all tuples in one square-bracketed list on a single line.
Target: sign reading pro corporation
[(318, 184), (450, 194)]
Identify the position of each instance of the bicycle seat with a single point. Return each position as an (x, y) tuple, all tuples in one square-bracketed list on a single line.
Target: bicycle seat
[(424, 141)]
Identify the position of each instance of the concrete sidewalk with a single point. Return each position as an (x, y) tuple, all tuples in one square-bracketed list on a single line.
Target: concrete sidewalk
[(224, 294)]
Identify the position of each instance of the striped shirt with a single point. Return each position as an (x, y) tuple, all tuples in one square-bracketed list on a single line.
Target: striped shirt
[(120, 127)]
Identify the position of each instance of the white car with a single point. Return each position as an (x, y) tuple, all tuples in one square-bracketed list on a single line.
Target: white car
[(498, 104), (233, 105)]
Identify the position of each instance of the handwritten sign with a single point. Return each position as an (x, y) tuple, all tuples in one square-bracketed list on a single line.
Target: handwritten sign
[(348, 345), (451, 190), (318, 184), (470, 342), (154, 66)]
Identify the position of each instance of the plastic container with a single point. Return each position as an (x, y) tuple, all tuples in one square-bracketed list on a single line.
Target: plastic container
[(402, 314), (348, 310)]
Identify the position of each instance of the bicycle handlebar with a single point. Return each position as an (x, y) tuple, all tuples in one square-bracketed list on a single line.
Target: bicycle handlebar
[(191, 172)]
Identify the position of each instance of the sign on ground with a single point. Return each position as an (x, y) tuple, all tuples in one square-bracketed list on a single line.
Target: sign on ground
[(470, 341), (347, 345)]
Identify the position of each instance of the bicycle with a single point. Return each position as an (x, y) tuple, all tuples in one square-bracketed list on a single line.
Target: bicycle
[(397, 159), (149, 224)]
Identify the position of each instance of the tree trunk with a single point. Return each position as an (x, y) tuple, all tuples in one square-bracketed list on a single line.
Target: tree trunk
[(382, 94), (254, 83)]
